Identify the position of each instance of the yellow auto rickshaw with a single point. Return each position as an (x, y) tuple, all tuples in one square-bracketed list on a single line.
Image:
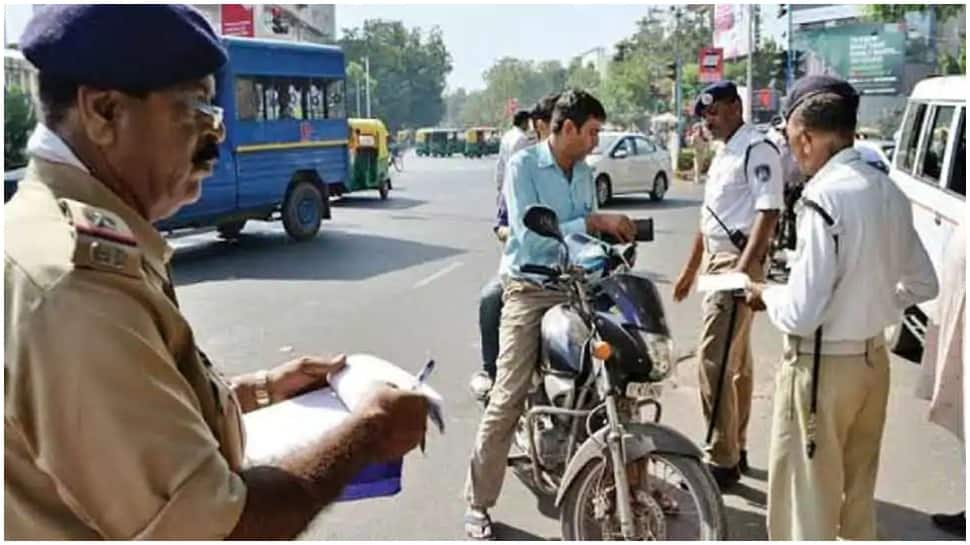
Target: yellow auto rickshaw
[(369, 156)]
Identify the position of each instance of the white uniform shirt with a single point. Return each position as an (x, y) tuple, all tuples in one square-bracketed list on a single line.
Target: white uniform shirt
[(45, 144), (737, 194), (880, 269), (513, 140)]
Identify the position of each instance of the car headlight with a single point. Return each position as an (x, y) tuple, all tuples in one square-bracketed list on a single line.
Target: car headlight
[(661, 350)]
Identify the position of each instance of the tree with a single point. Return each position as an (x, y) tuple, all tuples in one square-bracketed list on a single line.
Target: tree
[(582, 77), (18, 121), (409, 68), (892, 13)]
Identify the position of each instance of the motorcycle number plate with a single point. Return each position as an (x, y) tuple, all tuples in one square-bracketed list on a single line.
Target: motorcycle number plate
[(642, 390)]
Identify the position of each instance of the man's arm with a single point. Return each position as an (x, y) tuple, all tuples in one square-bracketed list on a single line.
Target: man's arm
[(689, 272), (761, 234), (919, 282), (282, 499), (797, 308)]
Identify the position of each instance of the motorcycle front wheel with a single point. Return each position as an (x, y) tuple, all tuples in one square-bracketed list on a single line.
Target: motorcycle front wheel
[(675, 498)]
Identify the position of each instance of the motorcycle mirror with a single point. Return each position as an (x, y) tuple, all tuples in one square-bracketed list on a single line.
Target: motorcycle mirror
[(543, 221)]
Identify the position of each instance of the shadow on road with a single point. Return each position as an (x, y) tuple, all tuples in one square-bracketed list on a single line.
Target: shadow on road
[(367, 200), (332, 255), (895, 522), (637, 202), (504, 532)]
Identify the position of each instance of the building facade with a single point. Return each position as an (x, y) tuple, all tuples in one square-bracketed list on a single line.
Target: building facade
[(314, 23)]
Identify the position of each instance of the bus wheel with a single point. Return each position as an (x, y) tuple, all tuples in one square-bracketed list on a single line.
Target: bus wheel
[(303, 211)]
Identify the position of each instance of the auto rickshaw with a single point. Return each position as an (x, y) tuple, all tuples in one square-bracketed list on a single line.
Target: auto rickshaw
[(474, 142), (440, 142), (457, 142), (422, 142), (369, 156), (493, 140)]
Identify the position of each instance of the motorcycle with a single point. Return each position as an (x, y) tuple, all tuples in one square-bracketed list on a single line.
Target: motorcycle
[(584, 435)]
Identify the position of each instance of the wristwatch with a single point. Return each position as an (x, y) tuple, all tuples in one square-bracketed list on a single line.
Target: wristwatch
[(261, 389)]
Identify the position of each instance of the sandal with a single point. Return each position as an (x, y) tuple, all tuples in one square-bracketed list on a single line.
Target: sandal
[(478, 525)]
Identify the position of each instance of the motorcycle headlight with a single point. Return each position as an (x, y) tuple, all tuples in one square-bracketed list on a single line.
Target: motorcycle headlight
[(660, 348)]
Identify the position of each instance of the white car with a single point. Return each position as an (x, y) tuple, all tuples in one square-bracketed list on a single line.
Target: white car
[(629, 162), (930, 167)]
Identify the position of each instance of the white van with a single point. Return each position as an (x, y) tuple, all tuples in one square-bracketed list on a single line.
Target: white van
[(930, 166)]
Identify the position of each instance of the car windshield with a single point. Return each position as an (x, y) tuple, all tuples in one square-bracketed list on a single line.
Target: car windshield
[(606, 142)]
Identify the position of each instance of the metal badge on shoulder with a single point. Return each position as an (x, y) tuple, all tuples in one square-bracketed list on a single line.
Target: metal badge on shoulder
[(103, 240)]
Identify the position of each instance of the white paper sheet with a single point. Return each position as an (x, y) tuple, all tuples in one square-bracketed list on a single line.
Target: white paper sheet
[(723, 282), (273, 431)]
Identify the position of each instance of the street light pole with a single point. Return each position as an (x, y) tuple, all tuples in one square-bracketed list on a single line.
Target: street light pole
[(367, 82)]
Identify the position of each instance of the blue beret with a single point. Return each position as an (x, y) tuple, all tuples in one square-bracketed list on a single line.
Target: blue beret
[(715, 91), (810, 86), (126, 47)]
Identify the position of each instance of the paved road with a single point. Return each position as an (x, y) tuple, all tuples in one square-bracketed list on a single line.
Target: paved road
[(400, 279)]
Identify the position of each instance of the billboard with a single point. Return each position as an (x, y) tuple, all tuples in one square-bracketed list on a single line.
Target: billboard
[(731, 29), (870, 56), (710, 62), (237, 20)]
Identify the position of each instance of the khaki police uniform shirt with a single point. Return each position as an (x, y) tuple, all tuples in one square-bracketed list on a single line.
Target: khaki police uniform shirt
[(115, 425)]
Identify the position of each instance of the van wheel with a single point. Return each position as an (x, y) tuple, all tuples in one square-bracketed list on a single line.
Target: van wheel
[(230, 230), (303, 211), (659, 187), (604, 191)]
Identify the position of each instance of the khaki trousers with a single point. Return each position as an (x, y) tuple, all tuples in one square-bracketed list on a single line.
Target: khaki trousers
[(832, 494), (718, 337), (524, 305)]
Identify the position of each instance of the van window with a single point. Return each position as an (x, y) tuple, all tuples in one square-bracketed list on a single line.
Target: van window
[(909, 139), (958, 178), (935, 144)]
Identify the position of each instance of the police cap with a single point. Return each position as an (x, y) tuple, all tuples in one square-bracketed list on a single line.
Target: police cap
[(810, 86), (715, 91), (126, 47)]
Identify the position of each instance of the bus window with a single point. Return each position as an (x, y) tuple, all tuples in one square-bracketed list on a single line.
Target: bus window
[(315, 100), (335, 100), (248, 99)]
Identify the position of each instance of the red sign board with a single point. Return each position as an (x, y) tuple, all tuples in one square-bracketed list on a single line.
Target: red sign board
[(710, 62), (237, 20)]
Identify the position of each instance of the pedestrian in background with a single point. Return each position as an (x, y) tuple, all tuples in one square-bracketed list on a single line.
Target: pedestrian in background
[(943, 357)]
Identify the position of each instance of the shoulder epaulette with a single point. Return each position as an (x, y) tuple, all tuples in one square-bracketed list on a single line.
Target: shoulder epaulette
[(103, 240)]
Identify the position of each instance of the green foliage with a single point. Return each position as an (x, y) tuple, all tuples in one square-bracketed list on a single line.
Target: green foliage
[(407, 68), (892, 13), (18, 121)]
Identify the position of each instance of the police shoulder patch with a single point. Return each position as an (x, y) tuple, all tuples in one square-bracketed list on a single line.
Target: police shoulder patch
[(103, 240)]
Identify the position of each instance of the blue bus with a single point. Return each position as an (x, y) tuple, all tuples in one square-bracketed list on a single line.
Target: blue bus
[(286, 139)]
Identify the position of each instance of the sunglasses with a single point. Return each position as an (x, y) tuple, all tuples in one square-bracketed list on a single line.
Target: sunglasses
[(215, 113)]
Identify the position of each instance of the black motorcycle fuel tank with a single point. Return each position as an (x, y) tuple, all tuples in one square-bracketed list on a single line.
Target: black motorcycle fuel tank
[(564, 336)]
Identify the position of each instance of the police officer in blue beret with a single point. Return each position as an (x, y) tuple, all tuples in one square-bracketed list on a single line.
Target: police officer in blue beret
[(116, 425), (858, 265), (742, 199)]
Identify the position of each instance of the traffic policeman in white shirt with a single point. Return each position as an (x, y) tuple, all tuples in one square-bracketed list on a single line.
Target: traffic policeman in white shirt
[(742, 200), (859, 263)]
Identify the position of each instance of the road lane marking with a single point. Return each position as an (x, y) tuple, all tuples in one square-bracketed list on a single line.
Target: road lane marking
[(438, 274)]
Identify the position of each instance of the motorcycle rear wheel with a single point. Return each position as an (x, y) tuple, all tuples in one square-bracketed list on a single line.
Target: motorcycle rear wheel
[(595, 481)]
